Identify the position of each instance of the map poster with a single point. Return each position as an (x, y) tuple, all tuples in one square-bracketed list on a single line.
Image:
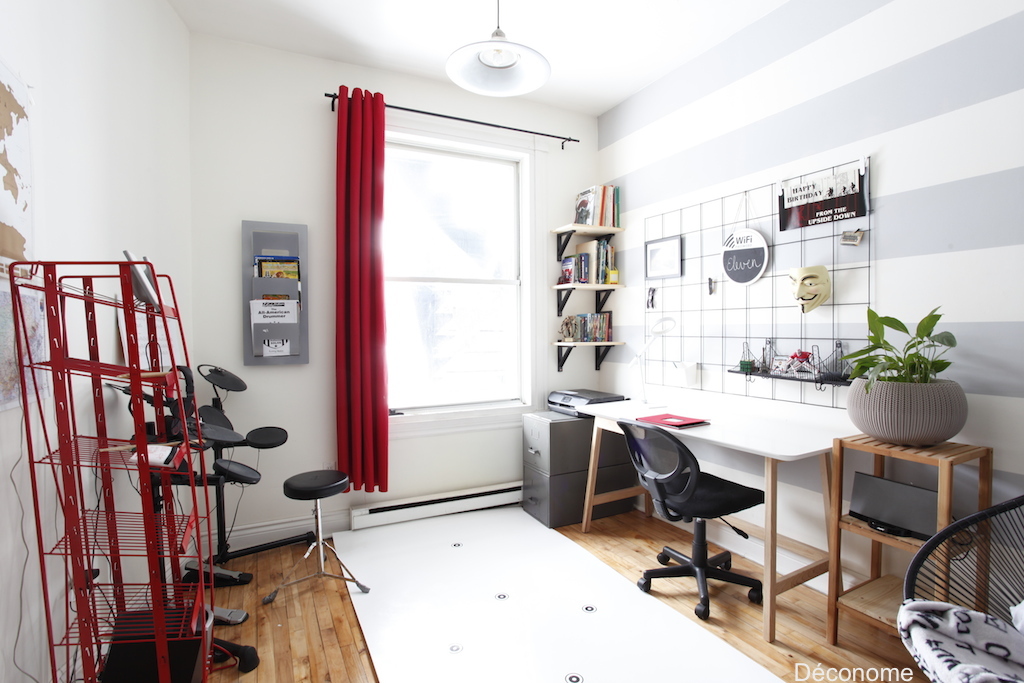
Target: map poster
[(824, 197), (16, 236), (15, 171)]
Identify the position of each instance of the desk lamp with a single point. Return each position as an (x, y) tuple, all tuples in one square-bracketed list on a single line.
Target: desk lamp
[(660, 328)]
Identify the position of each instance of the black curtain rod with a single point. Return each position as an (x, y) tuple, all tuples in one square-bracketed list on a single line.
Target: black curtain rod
[(564, 139)]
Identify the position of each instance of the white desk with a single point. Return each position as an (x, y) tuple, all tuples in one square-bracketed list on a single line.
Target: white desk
[(774, 438)]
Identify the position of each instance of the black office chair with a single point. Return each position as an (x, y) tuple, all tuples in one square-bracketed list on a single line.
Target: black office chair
[(680, 491)]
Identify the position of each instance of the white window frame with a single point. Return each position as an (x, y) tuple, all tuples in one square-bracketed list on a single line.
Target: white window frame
[(468, 139)]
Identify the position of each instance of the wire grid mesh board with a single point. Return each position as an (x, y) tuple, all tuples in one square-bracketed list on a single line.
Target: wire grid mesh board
[(721, 321)]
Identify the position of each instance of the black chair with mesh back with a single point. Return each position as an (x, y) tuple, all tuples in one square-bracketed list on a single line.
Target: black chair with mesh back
[(680, 491), (976, 562), (961, 593)]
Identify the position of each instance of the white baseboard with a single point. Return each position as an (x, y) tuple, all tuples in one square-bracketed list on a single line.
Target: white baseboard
[(248, 535)]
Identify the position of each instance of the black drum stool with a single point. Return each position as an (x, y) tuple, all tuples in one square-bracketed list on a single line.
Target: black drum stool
[(314, 486)]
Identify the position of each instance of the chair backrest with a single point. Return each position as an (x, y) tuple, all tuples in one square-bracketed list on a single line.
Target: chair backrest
[(666, 467), (976, 562)]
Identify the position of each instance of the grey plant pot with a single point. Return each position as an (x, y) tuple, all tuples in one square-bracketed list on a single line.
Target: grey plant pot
[(908, 414)]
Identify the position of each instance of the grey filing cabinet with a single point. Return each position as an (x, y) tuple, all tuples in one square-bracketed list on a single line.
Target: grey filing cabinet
[(556, 455)]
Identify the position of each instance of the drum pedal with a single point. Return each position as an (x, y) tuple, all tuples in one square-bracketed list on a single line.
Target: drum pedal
[(221, 577)]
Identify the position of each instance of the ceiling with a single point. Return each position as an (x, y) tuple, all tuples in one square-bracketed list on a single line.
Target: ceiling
[(601, 51)]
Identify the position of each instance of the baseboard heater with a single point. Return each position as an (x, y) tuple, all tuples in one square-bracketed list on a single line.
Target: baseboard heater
[(438, 504)]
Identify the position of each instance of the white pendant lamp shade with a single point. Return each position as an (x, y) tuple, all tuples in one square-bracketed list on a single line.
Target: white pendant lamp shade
[(498, 68)]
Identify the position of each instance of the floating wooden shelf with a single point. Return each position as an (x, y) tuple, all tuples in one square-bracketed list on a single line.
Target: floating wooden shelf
[(566, 232), (601, 350)]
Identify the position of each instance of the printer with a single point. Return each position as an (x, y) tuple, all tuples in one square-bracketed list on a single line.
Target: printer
[(570, 400)]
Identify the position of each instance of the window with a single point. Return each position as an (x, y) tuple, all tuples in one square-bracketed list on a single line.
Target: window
[(453, 287)]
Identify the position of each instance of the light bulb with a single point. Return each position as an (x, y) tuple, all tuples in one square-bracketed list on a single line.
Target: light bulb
[(499, 58)]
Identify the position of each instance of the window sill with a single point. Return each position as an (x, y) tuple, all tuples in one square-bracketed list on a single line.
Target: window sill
[(435, 421)]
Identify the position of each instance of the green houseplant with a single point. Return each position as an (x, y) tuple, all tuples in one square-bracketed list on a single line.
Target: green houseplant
[(895, 395), (919, 360)]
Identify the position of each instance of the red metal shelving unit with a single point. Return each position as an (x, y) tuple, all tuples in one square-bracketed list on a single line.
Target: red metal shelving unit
[(113, 530)]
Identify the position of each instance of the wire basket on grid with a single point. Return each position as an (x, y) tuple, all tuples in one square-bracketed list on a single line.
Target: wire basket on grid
[(834, 368)]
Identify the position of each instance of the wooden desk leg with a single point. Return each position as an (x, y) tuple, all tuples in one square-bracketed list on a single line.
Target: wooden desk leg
[(771, 472), (835, 568), (825, 464), (595, 457)]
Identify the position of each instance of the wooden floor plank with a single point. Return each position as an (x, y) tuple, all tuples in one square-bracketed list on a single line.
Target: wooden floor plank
[(312, 628)]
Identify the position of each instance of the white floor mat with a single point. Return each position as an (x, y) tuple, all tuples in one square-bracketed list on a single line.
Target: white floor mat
[(493, 596)]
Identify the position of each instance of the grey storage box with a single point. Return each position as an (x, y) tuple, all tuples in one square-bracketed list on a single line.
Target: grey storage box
[(556, 455)]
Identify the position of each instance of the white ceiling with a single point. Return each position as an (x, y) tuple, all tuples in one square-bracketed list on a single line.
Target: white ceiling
[(601, 51)]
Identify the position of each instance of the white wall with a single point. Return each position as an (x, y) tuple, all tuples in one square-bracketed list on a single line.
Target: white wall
[(907, 83), (263, 148), (109, 128)]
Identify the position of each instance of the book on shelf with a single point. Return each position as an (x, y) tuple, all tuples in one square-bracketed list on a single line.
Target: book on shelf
[(614, 206), (575, 270), (674, 421), (590, 327), (598, 205), (601, 255), (587, 205), (568, 270), (589, 250), (277, 266)]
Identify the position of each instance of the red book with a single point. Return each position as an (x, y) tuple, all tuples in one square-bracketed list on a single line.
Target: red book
[(676, 421)]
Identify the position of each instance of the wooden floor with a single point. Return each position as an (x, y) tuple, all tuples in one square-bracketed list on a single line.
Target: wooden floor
[(311, 632)]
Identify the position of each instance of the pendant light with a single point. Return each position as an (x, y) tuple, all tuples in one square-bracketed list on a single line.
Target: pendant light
[(498, 67)]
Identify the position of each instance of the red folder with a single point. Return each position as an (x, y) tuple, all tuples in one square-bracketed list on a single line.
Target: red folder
[(676, 421)]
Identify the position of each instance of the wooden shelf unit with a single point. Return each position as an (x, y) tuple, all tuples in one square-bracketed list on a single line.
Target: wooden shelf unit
[(601, 291), (877, 600)]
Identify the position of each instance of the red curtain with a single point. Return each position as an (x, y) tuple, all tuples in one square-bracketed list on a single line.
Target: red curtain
[(362, 403)]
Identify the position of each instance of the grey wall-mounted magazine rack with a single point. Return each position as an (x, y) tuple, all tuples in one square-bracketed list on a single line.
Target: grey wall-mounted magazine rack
[(274, 265)]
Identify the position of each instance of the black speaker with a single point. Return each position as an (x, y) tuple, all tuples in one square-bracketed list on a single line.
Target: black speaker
[(894, 507), (132, 657)]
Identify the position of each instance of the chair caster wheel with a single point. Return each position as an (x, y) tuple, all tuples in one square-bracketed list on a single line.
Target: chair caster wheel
[(270, 598), (663, 558), (702, 611), (644, 585), (363, 588), (755, 596)]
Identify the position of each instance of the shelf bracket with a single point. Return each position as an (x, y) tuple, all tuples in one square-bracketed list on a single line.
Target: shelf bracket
[(599, 353), (563, 298), (563, 242), (601, 298), (563, 355)]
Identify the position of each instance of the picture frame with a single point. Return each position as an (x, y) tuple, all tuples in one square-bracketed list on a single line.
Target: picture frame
[(664, 258)]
